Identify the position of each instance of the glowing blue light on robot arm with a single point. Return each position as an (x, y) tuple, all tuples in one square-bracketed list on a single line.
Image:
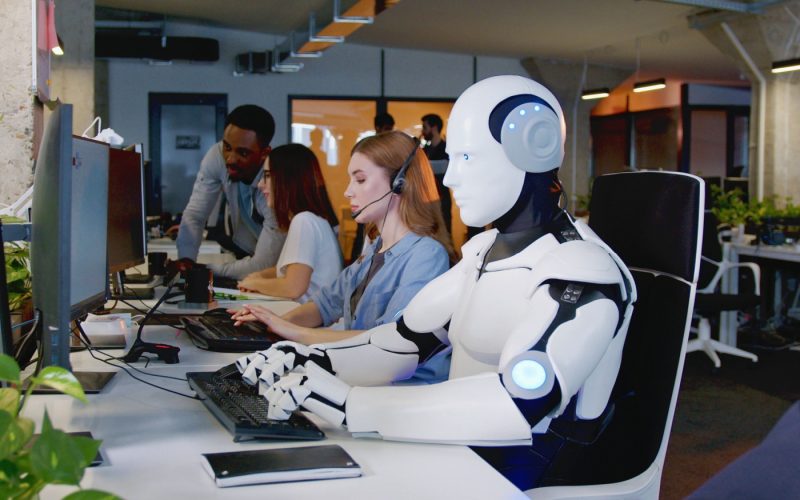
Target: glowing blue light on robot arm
[(529, 374)]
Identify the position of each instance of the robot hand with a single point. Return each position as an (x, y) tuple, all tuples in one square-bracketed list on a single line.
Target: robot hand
[(266, 367), (316, 390)]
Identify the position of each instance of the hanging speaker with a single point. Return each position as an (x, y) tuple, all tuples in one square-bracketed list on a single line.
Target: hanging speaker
[(529, 130)]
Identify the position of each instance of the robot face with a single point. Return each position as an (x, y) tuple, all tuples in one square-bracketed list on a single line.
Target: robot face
[(486, 172), (485, 183)]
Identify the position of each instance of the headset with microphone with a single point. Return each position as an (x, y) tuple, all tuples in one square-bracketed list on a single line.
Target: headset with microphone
[(398, 181)]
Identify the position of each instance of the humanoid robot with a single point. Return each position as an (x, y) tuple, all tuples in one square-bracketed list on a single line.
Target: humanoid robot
[(536, 312)]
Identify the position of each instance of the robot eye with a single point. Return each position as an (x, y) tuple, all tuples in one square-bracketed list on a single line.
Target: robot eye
[(466, 156)]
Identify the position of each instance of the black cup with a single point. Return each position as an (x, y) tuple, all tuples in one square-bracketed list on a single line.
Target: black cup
[(157, 263), (198, 285)]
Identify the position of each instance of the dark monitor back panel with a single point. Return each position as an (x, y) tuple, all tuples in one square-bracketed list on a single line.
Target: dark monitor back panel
[(126, 224), (741, 183)]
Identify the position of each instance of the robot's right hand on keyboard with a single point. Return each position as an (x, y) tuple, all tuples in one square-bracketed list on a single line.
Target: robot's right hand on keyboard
[(266, 367)]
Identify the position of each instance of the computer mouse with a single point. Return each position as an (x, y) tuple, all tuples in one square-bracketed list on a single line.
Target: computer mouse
[(219, 312)]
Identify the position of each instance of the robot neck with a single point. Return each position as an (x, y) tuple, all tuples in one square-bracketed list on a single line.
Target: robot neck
[(536, 205), (532, 216)]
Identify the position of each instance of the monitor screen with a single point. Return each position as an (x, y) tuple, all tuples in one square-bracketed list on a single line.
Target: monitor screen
[(89, 221), (68, 232), (126, 217)]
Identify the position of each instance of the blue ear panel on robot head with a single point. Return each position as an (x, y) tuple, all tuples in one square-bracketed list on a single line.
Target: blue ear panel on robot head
[(399, 179), (529, 130)]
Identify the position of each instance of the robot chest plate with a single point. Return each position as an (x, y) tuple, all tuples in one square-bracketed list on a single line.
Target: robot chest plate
[(489, 311)]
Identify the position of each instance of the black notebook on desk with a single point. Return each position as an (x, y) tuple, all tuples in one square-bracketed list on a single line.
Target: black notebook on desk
[(280, 465)]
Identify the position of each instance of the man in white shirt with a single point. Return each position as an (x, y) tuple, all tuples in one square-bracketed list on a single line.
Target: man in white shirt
[(234, 166)]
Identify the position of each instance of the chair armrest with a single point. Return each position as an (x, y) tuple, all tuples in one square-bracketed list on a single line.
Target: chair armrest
[(727, 266)]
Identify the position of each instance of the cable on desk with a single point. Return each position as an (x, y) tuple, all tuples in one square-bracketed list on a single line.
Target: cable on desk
[(109, 357), (134, 377), (154, 316)]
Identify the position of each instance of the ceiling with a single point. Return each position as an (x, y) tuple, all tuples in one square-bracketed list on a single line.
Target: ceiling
[(604, 32)]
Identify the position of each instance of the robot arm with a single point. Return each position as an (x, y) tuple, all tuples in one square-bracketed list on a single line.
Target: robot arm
[(378, 356), (572, 329)]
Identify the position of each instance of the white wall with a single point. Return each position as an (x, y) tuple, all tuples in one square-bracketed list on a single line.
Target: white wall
[(346, 69)]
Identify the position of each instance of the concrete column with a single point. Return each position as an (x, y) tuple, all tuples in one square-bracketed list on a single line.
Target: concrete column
[(564, 79), (72, 74), (17, 107), (764, 39)]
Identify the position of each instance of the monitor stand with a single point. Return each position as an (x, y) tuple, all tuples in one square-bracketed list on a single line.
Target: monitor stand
[(92, 383)]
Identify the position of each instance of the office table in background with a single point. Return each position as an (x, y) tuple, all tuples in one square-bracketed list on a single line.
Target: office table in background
[(152, 441), (783, 253)]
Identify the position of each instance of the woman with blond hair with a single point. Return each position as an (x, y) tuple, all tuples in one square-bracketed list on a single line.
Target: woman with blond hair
[(392, 191)]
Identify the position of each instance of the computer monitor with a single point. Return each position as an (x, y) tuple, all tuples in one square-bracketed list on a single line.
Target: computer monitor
[(152, 190), (68, 233), (127, 243)]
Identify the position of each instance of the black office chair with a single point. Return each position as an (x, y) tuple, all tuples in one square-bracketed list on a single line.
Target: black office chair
[(711, 302), (653, 220)]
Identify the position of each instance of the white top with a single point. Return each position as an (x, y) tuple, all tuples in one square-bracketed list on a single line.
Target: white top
[(311, 241)]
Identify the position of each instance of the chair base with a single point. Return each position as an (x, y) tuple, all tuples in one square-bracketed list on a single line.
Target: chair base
[(711, 347)]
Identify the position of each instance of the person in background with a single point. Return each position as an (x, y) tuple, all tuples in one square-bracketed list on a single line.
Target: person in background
[(435, 150), (412, 248), (294, 188), (384, 122), (234, 166)]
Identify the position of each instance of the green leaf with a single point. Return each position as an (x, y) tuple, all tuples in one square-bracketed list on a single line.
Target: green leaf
[(91, 495), (9, 400), (9, 370), (60, 379), (88, 447), (16, 275), (55, 457), (12, 436)]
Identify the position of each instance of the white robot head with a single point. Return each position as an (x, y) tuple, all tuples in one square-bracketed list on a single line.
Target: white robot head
[(499, 129)]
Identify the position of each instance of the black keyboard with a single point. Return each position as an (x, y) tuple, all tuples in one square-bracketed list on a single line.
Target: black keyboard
[(241, 410), (217, 333)]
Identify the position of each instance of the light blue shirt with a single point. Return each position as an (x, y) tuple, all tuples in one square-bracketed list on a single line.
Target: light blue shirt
[(409, 265)]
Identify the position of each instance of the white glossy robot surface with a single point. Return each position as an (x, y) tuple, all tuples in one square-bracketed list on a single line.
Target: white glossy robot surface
[(536, 311)]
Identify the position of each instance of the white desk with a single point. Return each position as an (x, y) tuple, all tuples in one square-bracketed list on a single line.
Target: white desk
[(785, 253), (209, 252), (153, 440)]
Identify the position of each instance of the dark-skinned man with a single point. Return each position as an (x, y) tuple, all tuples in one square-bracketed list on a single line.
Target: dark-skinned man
[(235, 166)]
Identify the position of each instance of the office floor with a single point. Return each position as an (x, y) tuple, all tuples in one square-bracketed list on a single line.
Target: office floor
[(722, 414)]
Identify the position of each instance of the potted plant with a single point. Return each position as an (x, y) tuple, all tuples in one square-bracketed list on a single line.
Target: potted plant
[(28, 463), (18, 277), (730, 208)]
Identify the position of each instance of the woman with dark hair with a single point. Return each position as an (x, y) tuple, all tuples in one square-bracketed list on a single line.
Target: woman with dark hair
[(392, 191), (310, 260)]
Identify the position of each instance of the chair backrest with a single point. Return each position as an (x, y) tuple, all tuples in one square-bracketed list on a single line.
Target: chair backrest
[(653, 221)]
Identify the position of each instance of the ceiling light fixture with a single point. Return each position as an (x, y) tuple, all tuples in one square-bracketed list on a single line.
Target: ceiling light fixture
[(349, 19), (649, 85), (590, 94), (786, 66)]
